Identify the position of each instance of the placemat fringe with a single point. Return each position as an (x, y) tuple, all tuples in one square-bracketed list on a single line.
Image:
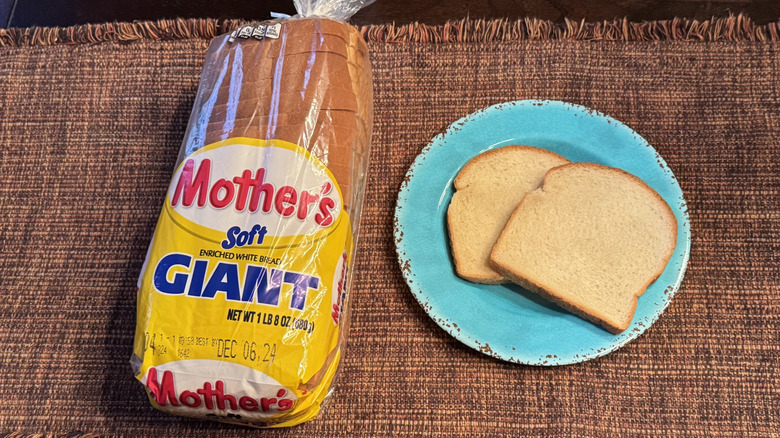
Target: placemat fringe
[(733, 28), (174, 29)]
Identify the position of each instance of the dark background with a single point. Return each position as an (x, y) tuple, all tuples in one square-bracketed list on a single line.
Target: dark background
[(25, 13)]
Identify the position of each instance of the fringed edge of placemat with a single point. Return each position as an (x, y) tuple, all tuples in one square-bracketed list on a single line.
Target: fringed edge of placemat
[(733, 28), (176, 29)]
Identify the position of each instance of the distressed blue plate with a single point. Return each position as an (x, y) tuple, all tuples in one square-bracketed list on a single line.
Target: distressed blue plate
[(506, 321)]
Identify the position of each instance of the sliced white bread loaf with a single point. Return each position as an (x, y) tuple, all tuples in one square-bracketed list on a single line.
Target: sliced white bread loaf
[(488, 189), (591, 239)]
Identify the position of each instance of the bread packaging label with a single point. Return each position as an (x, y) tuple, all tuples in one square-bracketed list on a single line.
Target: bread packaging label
[(243, 300), (244, 283)]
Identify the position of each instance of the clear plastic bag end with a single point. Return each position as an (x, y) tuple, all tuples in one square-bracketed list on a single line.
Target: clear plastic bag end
[(341, 10)]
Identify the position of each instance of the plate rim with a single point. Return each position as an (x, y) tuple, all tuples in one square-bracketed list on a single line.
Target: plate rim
[(403, 260)]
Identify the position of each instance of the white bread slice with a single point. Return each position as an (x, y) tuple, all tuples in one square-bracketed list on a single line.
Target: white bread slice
[(591, 239), (488, 189)]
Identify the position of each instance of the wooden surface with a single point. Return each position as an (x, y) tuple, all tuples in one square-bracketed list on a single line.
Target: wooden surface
[(69, 12)]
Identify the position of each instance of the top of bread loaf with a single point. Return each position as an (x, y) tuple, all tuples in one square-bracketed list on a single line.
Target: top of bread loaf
[(488, 189), (311, 86), (592, 239)]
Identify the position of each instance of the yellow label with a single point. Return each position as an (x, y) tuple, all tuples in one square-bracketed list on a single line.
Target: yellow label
[(241, 294)]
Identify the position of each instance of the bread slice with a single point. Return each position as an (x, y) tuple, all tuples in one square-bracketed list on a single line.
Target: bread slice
[(488, 189), (591, 239)]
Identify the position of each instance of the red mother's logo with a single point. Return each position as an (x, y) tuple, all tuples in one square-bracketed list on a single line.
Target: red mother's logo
[(251, 192), (212, 397)]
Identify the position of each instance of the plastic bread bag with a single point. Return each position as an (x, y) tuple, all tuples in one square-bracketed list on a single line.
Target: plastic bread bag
[(244, 297)]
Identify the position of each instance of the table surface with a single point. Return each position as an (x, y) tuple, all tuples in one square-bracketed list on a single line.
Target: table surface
[(89, 134), (70, 12)]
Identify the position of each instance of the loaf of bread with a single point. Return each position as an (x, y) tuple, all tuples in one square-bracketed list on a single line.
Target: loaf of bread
[(243, 300), (487, 190), (591, 239)]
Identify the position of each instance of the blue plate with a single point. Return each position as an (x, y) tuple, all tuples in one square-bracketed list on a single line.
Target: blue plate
[(506, 321)]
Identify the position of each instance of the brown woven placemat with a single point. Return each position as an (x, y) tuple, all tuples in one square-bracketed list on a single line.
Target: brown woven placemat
[(91, 119)]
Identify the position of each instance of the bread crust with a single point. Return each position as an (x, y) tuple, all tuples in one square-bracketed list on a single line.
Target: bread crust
[(249, 104), (536, 285)]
